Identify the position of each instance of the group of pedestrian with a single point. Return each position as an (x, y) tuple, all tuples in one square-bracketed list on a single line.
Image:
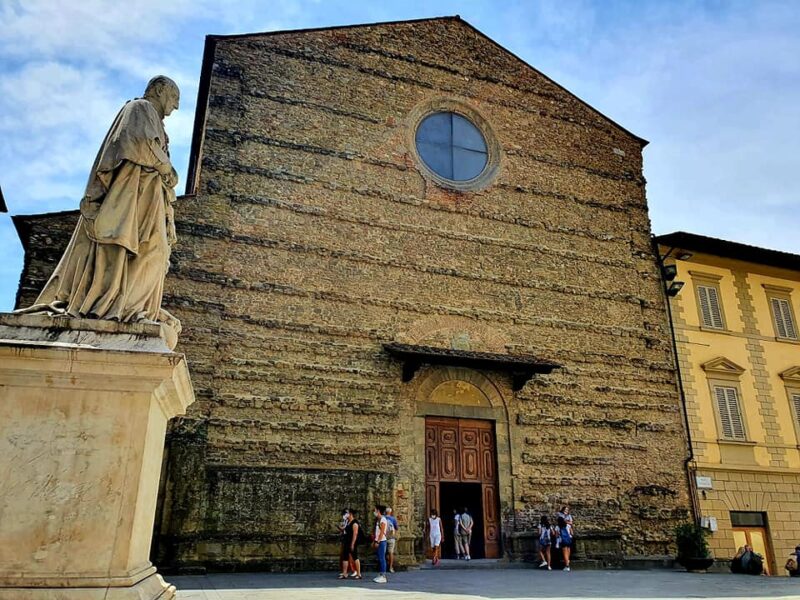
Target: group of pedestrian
[(384, 542), (556, 538), (747, 561), (462, 534)]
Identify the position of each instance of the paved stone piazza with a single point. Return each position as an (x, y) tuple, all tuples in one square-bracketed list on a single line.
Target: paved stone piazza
[(496, 584)]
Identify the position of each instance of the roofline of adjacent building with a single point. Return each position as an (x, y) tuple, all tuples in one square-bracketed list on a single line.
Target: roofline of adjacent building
[(682, 240), (209, 49)]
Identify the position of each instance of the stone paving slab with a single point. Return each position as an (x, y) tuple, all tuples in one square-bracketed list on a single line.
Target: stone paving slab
[(512, 584)]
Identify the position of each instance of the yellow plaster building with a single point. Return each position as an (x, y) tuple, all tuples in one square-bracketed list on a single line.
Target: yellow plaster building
[(737, 338)]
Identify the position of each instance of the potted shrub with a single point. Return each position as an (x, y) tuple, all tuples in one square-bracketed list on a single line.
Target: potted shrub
[(693, 553)]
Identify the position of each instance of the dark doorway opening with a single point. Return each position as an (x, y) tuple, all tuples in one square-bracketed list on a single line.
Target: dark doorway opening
[(457, 496)]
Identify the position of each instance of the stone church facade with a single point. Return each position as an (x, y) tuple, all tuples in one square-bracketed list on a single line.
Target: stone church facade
[(366, 325)]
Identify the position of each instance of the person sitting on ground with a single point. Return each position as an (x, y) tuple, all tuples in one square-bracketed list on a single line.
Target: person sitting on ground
[(793, 564), (350, 536), (747, 561), (545, 539), (391, 537), (436, 534)]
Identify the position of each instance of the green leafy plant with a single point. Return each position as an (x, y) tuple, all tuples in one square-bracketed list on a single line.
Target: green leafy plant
[(691, 541)]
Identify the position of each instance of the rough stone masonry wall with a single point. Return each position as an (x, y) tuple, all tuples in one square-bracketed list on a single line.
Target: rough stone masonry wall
[(314, 239)]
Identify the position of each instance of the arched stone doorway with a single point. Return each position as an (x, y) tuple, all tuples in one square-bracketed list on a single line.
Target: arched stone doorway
[(465, 450)]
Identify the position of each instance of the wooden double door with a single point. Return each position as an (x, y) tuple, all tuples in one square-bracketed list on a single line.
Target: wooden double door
[(463, 451)]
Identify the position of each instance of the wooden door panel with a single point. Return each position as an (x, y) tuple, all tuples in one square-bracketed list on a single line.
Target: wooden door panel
[(448, 464), (470, 447), (463, 450), (491, 525), (431, 464), (469, 464)]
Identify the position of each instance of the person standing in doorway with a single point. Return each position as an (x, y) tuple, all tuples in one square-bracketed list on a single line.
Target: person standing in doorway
[(466, 532), (457, 534), (564, 531), (379, 541), (391, 537), (436, 535), (350, 537)]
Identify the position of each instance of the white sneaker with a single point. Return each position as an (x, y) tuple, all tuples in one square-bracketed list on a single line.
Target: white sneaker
[(468, 558), (549, 568), (566, 568), (391, 570), (380, 579), (543, 564)]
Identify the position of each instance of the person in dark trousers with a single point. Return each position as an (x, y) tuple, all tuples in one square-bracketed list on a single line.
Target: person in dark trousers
[(349, 553), (379, 541)]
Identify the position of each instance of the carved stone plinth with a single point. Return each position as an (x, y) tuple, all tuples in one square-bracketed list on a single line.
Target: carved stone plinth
[(83, 412)]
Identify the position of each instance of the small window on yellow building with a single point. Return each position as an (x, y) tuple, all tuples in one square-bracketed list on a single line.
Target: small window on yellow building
[(795, 397), (710, 306), (783, 318), (730, 414)]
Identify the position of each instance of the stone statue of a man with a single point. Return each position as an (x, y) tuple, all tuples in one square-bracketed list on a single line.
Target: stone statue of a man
[(116, 261)]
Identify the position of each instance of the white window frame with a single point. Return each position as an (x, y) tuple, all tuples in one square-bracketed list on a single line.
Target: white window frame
[(727, 398), (783, 321), (708, 284)]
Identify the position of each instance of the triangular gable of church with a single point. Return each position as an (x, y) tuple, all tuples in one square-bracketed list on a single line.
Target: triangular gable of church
[(449, 45)]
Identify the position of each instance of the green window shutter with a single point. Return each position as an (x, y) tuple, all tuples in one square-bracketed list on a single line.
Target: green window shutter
[(710, 307)]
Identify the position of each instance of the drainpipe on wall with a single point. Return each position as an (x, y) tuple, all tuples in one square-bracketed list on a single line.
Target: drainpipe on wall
[(690, 476)]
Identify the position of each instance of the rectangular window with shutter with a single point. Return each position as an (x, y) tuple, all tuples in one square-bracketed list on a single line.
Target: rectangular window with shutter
[(783, 317), (730, 414), (710, 306)]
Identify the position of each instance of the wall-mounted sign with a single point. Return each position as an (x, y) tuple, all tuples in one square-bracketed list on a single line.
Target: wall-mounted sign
[(704, 483)]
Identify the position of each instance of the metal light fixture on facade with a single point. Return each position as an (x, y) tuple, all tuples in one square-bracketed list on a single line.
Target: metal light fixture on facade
[(674, 288), (669, 272)]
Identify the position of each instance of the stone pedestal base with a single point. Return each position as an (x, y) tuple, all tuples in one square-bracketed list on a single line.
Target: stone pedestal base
[(152, 587), (84, 407)]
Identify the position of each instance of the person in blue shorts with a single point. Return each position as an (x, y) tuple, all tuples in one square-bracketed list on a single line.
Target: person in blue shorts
[(565, 537)]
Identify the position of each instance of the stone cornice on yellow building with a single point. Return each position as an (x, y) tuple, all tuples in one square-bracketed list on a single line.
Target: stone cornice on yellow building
[(739, 381)]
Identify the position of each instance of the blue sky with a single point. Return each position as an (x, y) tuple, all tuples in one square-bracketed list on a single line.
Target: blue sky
[(714, 86)]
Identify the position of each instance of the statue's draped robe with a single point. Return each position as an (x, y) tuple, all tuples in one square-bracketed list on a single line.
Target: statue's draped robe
[(116, 261)]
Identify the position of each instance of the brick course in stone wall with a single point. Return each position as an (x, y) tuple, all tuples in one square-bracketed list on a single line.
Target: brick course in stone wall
[(315, 237)]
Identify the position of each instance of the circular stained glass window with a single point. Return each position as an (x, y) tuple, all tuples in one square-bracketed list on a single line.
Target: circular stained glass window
[(451, 146)]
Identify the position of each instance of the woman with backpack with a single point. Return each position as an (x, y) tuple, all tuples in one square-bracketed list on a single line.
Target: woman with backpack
[(545, 539), (565, 537)]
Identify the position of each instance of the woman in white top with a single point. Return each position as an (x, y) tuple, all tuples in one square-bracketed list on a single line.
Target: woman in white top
[(436, 533), (379, 541)]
